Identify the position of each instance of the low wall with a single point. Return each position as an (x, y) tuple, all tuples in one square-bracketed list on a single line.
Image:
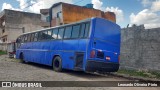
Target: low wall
[(5, 47), (140, 48)]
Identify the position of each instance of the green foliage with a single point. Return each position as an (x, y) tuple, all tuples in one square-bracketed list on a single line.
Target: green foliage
[(140, 73), (2, 52)]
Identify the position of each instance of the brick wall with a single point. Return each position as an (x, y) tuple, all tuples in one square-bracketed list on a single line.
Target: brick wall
[(140, 48)]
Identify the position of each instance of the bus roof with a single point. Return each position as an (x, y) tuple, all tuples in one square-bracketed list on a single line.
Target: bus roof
[(59, 26)]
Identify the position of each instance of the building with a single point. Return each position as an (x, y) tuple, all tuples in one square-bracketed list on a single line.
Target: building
[(14, 23), (64, 13), (45, 18)]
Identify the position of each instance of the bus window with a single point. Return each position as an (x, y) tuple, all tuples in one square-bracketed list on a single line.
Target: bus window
[(22, 39), (42, 35), (82, 30), (49, 32), (32, 37), (25, 39), (29, 37), (60, 33), (19, 39), (75, 31), (45, 35), (67, 33), (87, 30), (49, 35), (36, 37), (54, 33)]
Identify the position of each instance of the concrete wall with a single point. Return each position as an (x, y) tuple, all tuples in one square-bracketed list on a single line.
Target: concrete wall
[(3, 46), (140, 48)]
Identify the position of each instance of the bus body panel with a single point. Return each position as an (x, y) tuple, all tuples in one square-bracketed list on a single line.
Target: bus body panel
[(105, 42), (69, 49), (103, 35), (83, 46)]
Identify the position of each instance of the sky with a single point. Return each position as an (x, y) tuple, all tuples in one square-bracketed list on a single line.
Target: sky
[(130, 12)]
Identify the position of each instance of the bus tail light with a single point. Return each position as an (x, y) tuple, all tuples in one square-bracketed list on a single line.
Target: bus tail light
[(119, 58), (108, 58), (92, 54)]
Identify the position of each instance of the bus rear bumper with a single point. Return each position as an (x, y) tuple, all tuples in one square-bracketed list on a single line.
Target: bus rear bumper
[(93, 66)]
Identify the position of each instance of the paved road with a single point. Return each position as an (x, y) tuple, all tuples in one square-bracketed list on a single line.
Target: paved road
[(13, 70)]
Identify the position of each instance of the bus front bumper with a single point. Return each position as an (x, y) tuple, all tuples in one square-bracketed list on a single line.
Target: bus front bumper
[(93, 66)]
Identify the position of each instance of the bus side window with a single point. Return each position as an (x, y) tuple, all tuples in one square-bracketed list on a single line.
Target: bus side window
[(18, 40), (36, 37), (49, 35), (60, 33), (25, 39), (87, 30), (41, 35), (29, 38), (67, 33), (82, 32), (54, 33), (32, 37), (22, 39), (75, 31), (44, 35)]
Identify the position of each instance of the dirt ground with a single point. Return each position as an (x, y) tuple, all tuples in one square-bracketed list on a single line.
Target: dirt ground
[(13, 70)]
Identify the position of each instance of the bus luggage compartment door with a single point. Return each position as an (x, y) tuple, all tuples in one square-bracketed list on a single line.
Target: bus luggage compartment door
[(79, 60)]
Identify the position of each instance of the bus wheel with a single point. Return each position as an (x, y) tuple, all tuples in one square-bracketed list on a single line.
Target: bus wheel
[(57, 64)]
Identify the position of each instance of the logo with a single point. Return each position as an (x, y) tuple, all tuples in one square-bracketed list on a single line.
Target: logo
[(6, 84)]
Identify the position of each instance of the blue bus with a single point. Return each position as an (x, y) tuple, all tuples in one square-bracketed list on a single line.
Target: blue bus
[(89, 45)]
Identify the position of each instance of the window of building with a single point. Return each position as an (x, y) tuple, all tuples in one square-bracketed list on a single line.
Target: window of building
[(60, 33), (59, 14), (47, 19), (3, 31), (75, 31), (4, 40), (67, 33)]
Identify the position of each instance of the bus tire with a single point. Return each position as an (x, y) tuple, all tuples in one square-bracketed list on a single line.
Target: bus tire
[(57, 64), (22, 59)]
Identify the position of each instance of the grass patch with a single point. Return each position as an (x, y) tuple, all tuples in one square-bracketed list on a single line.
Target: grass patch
[(140, 73), (2, 52)]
